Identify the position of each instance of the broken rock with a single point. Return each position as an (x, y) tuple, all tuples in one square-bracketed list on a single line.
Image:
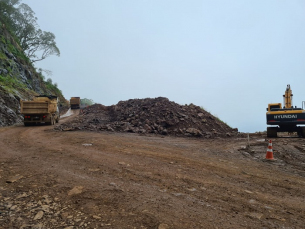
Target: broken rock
[(76, 190)]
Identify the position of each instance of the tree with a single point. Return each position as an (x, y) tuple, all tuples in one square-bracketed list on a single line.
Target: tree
[(49, 80), (48, 72), (87, 102), (7, 11), (33, 40), (26, 26), (36, 44), (44, 44)]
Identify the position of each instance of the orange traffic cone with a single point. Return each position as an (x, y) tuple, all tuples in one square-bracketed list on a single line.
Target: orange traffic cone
[(269, 154)]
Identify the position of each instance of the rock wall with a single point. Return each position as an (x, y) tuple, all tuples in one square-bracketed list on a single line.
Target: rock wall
[(9, 109)]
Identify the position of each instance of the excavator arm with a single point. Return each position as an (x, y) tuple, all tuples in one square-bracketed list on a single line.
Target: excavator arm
[(288, 97)]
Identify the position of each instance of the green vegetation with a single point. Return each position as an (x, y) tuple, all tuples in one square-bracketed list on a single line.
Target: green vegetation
[(20, 20), (12, 48), (53, 87), (22, 42), (11, 84), (2, 38), (2, 56), (87, 102)]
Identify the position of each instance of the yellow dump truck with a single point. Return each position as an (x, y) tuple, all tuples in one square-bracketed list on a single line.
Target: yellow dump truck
[(75, 102), (42, 109)]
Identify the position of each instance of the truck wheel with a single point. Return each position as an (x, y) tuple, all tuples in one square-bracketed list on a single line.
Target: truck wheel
[(26, 124), (302, 132), (272, 132), (51, 122)]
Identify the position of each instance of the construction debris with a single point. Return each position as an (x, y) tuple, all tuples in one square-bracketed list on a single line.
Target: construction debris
[(150, 116)]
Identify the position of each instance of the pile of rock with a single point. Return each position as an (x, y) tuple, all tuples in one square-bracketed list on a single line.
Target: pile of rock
[(157, 116)]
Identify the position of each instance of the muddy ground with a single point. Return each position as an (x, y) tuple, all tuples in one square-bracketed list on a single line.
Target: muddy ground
[(79, 179)]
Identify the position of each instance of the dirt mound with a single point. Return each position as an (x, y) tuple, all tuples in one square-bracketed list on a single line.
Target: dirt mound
[(157, 116)]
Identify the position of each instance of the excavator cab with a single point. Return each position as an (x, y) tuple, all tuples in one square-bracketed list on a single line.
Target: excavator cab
[(274, 106)]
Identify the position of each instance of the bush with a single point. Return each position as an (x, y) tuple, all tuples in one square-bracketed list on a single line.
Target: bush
[(49, 80)]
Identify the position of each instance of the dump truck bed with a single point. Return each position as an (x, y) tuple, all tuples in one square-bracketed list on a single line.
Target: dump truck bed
[(75, 102), (34, 107), (42, 109)]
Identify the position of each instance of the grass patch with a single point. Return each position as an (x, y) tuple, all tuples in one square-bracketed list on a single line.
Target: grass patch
[(3, 40), (17, 53), (3, 56), (13, 49), (11, 84)]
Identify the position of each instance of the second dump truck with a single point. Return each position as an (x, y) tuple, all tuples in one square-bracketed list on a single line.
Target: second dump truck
[(75, 102), (287, 118), (42, 109)]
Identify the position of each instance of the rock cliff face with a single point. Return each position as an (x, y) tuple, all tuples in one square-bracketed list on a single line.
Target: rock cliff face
[(18, 80), (9, 109)]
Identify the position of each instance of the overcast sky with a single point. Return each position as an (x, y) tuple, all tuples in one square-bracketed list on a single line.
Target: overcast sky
[(230, 57)]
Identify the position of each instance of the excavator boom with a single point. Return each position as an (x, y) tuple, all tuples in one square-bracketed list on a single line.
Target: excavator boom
[(288, 97)]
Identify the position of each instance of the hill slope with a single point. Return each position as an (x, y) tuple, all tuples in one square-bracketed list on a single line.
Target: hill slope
[(18, 80)]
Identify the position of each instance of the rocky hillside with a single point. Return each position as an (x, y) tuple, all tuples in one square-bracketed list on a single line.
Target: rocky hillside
[(18, 80), (153, 116)]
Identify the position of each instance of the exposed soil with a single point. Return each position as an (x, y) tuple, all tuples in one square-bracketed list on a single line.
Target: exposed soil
[(81, 179)]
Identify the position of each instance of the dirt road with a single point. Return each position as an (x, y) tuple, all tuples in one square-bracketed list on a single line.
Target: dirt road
[(80, 179)]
